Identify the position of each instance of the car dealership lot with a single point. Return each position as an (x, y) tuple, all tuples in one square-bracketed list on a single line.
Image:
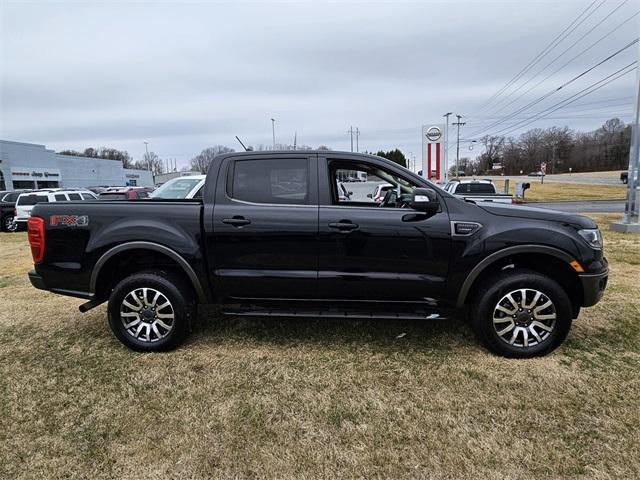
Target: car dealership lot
[(314, 398)]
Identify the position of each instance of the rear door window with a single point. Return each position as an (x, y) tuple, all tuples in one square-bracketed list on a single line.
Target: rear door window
[(475, 188), (272, 181), (60, 197), (75, 196), (32, 199)]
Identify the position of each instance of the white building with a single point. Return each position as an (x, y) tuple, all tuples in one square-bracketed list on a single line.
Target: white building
[(28, 165)]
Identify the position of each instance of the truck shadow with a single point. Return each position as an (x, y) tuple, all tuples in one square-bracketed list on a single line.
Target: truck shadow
[(211, 326)]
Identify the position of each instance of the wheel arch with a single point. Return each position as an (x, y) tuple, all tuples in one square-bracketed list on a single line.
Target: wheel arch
[(547, 260), (101, 277)]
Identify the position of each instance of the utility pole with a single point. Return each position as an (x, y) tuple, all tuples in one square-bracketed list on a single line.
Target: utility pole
[(273, 131), (631, 221), (295, 139), (357, 137), (446, 146), (351, 132), (458, 124)]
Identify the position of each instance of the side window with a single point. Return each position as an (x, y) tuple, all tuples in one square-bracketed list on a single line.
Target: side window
[(198, 194), (366, 185), (86, 196), (74, 196), (60, 197), (279, 181)]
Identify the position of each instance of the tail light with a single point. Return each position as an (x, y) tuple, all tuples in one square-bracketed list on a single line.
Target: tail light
[(35, 229)]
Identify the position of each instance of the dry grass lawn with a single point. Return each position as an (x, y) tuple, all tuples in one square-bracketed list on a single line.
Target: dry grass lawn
[(552, 191), (315, 399)]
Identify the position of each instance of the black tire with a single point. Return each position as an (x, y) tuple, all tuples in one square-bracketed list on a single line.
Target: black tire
[(153, 336), (504, 290), (8, 225)]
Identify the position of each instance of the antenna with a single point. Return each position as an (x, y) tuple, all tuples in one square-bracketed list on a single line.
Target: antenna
[(240, 141)]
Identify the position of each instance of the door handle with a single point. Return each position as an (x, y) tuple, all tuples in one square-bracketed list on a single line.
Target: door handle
[(236, 221), (344, 226)]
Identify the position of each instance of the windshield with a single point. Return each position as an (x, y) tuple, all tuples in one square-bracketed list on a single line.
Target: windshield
[(176, 188)]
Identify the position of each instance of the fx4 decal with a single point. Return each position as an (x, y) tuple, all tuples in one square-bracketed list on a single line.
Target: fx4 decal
[(69, 220)]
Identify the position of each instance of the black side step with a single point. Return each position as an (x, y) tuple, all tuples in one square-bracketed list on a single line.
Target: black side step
[(330, 313)]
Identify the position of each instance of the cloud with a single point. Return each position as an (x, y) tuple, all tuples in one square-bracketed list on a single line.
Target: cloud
[(188, 75)]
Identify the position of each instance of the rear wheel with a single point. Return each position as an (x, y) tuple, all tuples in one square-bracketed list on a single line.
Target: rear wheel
[(151, 311), (8, 225), (521, 314)]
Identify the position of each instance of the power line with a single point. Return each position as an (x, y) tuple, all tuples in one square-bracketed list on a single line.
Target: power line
[(608, 79), (538, 57), (615, 29), (568, 82)]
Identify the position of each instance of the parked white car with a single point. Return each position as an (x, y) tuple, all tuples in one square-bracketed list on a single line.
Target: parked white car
[(186, 187), (26, 201)]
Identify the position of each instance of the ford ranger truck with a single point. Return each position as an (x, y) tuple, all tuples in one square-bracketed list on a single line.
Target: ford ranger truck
[(272, 236)]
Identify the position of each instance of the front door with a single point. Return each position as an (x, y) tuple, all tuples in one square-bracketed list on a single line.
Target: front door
[(372, 246), (265, 224)]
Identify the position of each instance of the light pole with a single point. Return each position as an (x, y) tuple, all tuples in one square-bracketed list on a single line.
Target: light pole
[(351, 132), (273, 132), (146, 147), (446, 145), (357, 137)]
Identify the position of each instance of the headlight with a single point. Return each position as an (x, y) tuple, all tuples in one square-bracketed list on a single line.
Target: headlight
[(592, 236)]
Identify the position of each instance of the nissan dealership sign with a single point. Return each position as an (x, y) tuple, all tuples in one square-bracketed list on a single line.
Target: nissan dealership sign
[(434, 134), (434, 152)]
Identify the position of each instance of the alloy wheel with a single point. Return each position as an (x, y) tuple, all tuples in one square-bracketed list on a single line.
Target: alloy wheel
[(524, 318), (9, 224), (147, 315)]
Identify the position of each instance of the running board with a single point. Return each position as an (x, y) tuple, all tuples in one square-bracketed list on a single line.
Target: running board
[(330, 313)]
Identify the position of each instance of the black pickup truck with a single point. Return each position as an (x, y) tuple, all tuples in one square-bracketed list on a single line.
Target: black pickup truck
[(271, 236)]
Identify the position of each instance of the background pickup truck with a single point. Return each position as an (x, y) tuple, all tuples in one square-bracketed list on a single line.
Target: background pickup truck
[(272, 236), (477, 191)]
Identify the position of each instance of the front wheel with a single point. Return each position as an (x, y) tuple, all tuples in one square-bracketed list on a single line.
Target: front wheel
[(150, 311), (521, 314)]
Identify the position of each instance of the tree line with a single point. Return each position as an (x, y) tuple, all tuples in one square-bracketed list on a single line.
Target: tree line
[(561, 148), (150, 161)]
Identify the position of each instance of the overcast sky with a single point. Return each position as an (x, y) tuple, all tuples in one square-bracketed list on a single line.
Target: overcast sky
[(184, 75)]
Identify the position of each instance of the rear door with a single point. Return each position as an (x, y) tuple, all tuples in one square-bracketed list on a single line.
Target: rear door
[(265, 227)]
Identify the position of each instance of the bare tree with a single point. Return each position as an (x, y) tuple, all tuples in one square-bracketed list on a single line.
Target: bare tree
[(150, 161), (202, 161)]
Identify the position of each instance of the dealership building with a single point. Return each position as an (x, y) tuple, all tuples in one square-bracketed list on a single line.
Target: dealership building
[(28, 165)]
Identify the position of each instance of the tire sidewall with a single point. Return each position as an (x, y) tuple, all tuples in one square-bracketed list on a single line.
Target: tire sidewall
[(508, 282), (170, 287)]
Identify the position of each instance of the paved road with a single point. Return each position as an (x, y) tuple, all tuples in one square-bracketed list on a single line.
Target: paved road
[(583, 206), (563, 178)]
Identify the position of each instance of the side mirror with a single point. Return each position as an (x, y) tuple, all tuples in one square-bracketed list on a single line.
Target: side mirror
[(369, 195), (424, 200)]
